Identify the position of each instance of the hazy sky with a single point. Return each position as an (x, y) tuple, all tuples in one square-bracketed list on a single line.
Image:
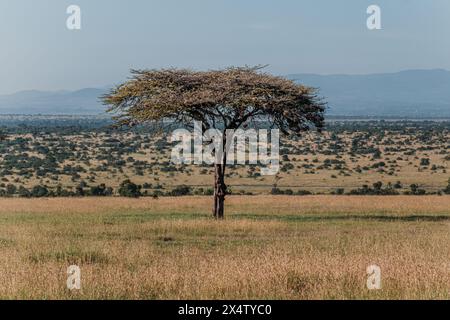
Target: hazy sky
[(292, 36)]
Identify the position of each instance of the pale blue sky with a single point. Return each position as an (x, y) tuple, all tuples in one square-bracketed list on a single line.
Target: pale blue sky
[(292, 36)]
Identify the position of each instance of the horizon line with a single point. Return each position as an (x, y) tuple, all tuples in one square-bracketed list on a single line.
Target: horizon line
[(106, 87)]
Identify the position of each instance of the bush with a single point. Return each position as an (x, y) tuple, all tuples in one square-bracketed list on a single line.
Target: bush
[(79, 191), (289, 192), (11, 189), (415, 190), (181, 191), (129, 189), (424, 162), (276, 191), (447, 190), (39, 191), (303, 193), (376, 190), (101, 191), (24, 192)]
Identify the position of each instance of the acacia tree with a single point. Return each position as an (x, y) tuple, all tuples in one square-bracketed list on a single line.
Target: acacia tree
[(219, 99)]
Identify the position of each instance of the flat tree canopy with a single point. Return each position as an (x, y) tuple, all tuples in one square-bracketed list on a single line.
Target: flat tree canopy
[(220, 99)]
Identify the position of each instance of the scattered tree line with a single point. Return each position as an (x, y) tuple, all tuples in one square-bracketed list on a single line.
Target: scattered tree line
[(131, 190), (126, 189)]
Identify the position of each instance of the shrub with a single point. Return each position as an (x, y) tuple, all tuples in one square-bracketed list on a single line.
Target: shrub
[(129, 189), (209, 192), (424, 162), (415, 190), (181, 191), (24, 192), (447, 190), (303, 193), (376, 190), (101, 191), (289, 192), (79, 191), (39, 191), (276, 191), (11, 189)]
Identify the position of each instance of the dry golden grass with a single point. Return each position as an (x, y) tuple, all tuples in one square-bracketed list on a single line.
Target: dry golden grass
[(315, 247)]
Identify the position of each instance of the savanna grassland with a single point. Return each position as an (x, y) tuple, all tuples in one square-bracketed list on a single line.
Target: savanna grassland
[(280, 247), (362, 193), (55, 158)]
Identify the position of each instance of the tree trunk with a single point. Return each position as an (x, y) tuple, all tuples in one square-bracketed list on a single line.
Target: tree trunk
[(220, 190)]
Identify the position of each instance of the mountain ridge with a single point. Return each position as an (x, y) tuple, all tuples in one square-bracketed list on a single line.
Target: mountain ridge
[(406, 93), (412, 93)]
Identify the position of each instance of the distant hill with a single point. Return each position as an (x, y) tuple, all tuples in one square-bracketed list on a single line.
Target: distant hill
[(412, 93), (80, 102)]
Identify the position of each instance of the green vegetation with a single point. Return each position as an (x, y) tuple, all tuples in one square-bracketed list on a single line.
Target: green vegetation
[(74, 158)]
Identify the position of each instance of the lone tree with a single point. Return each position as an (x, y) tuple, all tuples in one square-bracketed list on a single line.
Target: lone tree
[(219, 99)]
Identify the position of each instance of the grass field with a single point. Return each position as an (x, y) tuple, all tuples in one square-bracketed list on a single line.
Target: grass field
[(280, 247)]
